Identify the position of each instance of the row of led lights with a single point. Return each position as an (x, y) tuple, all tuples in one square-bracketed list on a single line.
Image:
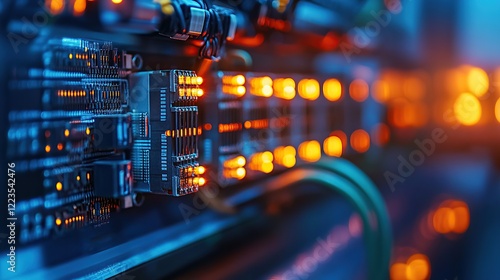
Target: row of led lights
[(286, 88), (60, 146), (467, 85), (308, 151)]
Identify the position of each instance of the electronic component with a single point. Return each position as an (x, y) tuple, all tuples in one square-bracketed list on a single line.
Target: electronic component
[(112, 179), (165, 150)]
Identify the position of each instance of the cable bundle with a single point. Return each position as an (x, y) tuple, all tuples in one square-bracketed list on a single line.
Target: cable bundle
[(216, 24)]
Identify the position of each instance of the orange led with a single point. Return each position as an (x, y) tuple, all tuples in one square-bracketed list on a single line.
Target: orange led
[(201, 170), (202, 181), (284, 88), (59, 186), (200, 92), (309, 89), (236, 162), (332, 89), (478, 81), (310, 151), (237, 173), (47, 148), (398, 271), (60, 146), (359, 90), (262, 162), (238, 80), (55, 6), (240, 173), (360, 141), (451, 217), (238, 91), (262, 86), (79, 7), (417, 267), (332, 146), (285, 156), (467, 109)]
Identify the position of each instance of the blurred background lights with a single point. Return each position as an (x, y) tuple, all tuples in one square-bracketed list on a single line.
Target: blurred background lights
[(478, 81), (452, 216), (309, 89), (332, 89), (359, 90), (332, 146), (360, 141), (416, 267), (467, 109), (310, 151)]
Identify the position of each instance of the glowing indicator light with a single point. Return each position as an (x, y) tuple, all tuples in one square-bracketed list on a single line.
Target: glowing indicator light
[(236, 162), (417, 267), (332, 146), (262, 162), (238, 80), (200, 92), (309, 89), (199, 80), (201, 182), (310, 151), (467, 109), (79, 7), (451, 217), (332, 89), (55, 6), (359, 90), (360, 141), (201, 170), (240, 173), (285, 156), (262, 86), (284, 88), (478, 81)]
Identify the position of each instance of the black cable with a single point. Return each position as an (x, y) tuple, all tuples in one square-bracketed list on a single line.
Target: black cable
[(180, 17)]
